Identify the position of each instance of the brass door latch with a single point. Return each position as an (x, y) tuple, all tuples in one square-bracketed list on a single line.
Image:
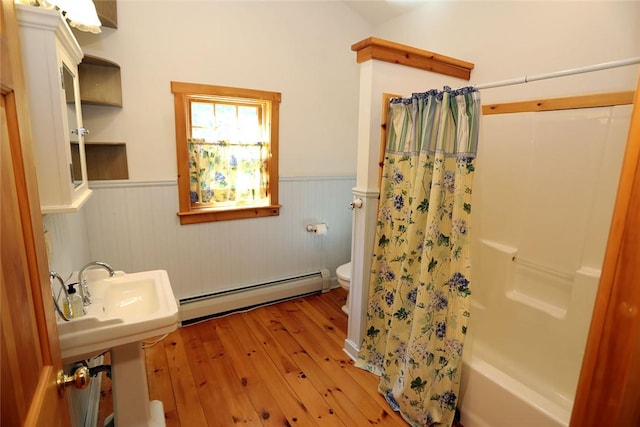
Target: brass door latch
[(80, 379)]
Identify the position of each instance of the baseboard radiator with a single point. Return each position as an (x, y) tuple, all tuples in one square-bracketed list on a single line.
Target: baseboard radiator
[(194, 309)]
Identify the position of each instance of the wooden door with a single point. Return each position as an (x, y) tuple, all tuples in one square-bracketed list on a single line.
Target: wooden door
[(30, 355)]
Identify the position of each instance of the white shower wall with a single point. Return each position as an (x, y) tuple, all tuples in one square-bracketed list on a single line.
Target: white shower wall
[(544, 191), (134, 227)]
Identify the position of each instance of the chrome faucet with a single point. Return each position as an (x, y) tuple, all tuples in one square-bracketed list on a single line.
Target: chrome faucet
[(84, 286), (54, 275)]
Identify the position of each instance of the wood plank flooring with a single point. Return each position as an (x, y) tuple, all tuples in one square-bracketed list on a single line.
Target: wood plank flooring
[(280, 365)]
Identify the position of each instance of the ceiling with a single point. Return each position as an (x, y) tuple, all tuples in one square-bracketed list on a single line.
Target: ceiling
[(377, 12)]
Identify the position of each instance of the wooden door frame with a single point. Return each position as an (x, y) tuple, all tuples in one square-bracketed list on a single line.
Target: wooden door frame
[(46, 400)]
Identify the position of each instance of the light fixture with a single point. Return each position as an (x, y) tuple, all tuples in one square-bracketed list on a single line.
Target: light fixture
[(80, 13)]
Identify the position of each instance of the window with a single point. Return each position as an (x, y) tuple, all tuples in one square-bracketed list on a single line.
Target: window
[(227, 149)]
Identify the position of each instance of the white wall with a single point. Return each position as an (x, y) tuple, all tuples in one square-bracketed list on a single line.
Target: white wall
[(515, 38), (135, 228), (301, 49)]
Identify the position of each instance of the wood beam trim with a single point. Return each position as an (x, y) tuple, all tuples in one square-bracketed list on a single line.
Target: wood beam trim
[(567, 103), (396, 53)]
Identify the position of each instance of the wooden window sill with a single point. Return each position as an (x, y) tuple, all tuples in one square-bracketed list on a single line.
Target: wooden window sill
[(211, 215)]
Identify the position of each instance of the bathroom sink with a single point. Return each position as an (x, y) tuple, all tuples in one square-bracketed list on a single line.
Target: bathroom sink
[(126, 308)]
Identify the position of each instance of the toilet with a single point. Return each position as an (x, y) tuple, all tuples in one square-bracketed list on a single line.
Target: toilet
[(343, 273)]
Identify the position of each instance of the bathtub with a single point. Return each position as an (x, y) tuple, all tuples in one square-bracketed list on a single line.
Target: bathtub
[(492, 398), (525, 343), (542, 203)]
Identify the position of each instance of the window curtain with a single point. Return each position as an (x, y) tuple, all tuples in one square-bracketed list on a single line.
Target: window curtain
[(222, 173), (420, 273)]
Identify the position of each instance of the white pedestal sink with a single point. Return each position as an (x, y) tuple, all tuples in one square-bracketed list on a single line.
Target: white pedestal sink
[(131, 405), (126, 309)]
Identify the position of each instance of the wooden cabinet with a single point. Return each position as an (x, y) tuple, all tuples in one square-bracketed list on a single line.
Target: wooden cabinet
[(51, 56)]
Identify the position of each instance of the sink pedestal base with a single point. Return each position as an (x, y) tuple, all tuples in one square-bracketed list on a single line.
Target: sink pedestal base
[(131, 405)]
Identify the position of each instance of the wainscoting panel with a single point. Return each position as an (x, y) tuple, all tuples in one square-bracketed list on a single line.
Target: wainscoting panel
[(134, 227)]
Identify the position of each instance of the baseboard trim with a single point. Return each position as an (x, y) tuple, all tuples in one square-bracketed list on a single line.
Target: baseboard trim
[(351, 349), (252, 296)]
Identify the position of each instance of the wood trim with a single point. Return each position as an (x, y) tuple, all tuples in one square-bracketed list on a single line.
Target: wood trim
[(386, 97), (38, 414), (566, 103), (182, 151), (609, 382), (204, 89), (198, 216), (396, 53), (274, 161), (190, 215)]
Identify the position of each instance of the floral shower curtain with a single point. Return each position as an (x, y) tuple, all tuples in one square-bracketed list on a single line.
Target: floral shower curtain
[(419, 284)]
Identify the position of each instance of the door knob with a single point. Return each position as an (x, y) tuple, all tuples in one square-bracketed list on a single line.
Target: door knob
[(80, 378), (80, 131)]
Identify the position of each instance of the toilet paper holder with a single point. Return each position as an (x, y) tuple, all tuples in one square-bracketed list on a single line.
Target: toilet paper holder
[(317, 228), (357, 203)]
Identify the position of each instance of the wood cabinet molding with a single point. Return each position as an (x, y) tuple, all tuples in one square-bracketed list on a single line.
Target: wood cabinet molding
[(396, 53)]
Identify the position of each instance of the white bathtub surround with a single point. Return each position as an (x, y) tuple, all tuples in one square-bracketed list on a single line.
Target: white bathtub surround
[(542, 228)]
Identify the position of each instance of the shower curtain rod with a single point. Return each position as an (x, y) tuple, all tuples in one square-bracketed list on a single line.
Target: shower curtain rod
[(569, 72)]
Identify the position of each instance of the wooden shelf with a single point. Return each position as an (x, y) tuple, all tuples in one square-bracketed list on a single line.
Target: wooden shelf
[(396, 53), (100, 82), (105, 160), (107, 12)]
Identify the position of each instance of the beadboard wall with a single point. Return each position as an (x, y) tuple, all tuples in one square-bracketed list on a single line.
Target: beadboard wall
[(134, 227)]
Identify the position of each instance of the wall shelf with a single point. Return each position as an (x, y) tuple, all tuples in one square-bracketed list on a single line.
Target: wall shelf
[(107, 12), (105, 160), (100, 82)]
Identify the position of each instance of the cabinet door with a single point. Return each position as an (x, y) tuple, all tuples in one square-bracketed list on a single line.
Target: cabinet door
[(75, 130), (51, 56)]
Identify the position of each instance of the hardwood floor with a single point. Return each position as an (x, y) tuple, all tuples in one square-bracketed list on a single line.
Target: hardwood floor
[(280, 365)]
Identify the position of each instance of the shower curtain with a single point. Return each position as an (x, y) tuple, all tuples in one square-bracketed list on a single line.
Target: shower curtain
[(419, 284)]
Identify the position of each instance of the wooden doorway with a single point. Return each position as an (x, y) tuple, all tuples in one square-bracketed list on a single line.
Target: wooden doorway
[(30, 356)]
